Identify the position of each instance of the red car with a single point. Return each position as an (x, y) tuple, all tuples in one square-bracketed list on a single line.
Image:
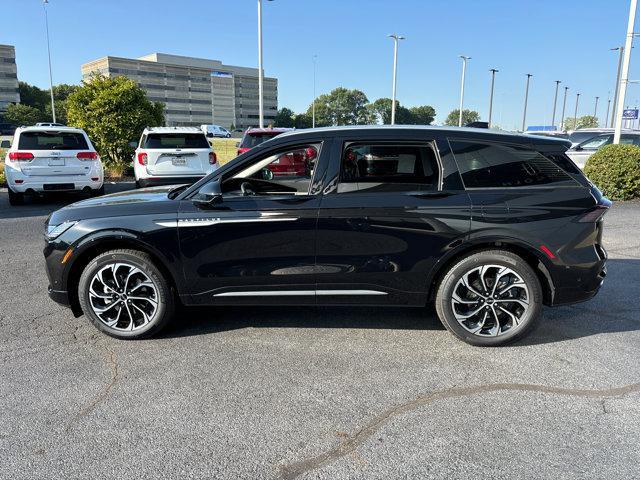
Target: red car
[(298, 163), (255, 136)]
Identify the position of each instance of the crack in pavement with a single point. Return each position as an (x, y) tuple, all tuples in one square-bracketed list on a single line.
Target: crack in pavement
[(294, 470), (113, 363)]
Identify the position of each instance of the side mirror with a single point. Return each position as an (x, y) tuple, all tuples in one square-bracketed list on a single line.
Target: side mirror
[(133, 144), (209, 194)]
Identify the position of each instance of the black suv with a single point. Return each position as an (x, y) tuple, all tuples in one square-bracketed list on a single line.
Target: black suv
[(490, 226)]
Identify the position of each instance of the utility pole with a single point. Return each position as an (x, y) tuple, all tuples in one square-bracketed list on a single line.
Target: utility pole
[(46, 23), (464, 69), (555, 102), (493, 80), (564, 106), (575, 113), (606, 120), (526, 99), (625, 71), (615, 95), (396, 39), (595, 109)]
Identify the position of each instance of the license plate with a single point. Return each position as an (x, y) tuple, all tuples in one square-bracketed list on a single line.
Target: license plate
[(179, 162), (56, 162)]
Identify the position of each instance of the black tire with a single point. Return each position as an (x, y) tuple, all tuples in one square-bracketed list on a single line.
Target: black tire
[(528, 318), (98, 192), (15, 198), (138, 184), (165, 297)]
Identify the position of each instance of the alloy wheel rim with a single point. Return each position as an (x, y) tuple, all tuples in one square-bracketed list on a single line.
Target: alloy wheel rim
[(123, 297), (490, 300)]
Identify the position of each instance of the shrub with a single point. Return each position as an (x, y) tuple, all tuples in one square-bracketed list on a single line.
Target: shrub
[(3, 180), (615, 169)]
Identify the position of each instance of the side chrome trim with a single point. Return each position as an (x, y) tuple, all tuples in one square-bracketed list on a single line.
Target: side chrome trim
[(208, 222), (274, 293)]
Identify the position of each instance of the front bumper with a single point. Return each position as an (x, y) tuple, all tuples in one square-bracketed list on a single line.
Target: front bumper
[(59, 296)]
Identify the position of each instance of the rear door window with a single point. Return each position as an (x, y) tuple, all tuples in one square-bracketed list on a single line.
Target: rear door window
[(52, 141), (255, 139), (495, 165), (176, 140), (377, 167)]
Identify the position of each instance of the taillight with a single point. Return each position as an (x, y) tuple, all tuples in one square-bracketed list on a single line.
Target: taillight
[(87, 155), (212, 158), (142, 158), (20, 156), (592, 216)]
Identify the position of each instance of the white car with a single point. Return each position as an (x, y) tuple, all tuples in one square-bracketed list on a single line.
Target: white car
[(581, 153), (51, 159), (215, 131), (173, 155)]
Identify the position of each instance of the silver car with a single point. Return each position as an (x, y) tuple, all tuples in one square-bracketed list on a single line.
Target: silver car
[(581, 152)]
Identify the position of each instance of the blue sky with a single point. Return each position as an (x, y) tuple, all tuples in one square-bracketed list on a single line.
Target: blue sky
[(566, 40)]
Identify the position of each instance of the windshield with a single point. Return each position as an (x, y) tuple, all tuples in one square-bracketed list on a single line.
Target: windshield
[(176, 140), (579, 137), (251, 140), (52, 141)]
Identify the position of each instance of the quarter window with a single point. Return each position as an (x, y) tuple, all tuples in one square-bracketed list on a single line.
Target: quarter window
[(388, 168), (494, 165)]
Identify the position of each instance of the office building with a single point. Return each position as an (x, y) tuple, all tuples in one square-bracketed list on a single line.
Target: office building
[(9, 92), (195, 91)]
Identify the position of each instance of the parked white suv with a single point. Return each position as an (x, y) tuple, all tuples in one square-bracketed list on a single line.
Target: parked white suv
[(168, 155), (49, 159)]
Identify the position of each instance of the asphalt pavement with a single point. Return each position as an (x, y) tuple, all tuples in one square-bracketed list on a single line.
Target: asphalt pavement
[(315, 393)]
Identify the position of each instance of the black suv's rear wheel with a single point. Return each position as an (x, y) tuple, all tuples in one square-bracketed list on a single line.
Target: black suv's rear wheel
[(125, 295), (489, 298)]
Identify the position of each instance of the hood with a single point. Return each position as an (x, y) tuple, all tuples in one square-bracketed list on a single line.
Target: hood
[(144, 201)]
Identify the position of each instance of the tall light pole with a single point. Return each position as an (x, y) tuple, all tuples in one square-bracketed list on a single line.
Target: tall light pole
[(575, 113), (620, 50), (46, 24), (595, 108), (625, 71), (606, 120), (564, 106), (260, 69), (313, 105), (493, 81), (555, 103), (396, 40), (464, 69), (526, 100)]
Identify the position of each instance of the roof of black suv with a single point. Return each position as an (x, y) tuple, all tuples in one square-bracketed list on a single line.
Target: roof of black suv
[(454, 131)]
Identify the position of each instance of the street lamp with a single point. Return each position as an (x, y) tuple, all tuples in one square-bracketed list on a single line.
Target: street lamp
[(575, 113), (606, 120), (464, 69), (615, 95), (396, 39), (625, 71), (260, 69), (595, 109), (493, 80), (313, 105), (564, 106), (555, 102), (46, 24), (526, 99)]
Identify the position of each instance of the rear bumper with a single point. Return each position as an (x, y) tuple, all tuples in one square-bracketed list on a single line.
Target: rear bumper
[(52, 184), (156, 181)]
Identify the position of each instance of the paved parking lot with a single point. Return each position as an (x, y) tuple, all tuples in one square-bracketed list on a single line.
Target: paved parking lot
[(316, 392)]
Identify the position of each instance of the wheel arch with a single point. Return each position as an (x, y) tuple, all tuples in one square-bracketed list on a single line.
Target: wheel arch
[(93, 247), (529, 254)]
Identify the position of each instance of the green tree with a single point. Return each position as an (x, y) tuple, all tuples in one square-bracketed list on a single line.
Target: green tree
[(113, 112), (302, 120), (468, 116), (342, 107), (586, 121), (33, 96), (284, 118), (423, 114), (21, 114)]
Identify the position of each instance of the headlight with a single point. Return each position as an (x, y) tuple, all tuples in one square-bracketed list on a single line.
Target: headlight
[(54, 231)]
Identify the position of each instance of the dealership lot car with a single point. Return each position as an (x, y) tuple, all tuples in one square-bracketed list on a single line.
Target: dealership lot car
[(170, 155), (488, 226), (43, 160), (255, 136), (581, 153)]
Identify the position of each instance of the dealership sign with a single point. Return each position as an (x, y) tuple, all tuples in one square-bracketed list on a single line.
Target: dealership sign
[(630, 114)]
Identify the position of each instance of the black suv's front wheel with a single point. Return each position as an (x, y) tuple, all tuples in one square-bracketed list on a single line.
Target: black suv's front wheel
[(124, 294), (489, 298)]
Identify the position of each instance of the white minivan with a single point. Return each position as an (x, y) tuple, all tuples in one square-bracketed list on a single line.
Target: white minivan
[(215, 131), (172, 155), (50, 159)]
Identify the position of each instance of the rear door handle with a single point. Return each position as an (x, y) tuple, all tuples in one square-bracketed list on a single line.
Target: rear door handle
[(433, 194)]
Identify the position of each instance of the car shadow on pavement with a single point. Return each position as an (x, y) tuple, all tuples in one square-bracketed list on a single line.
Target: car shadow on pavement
[(609, 312), (35, 206)]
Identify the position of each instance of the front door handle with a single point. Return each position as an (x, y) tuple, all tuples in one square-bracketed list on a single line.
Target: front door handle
[(432, 194)]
